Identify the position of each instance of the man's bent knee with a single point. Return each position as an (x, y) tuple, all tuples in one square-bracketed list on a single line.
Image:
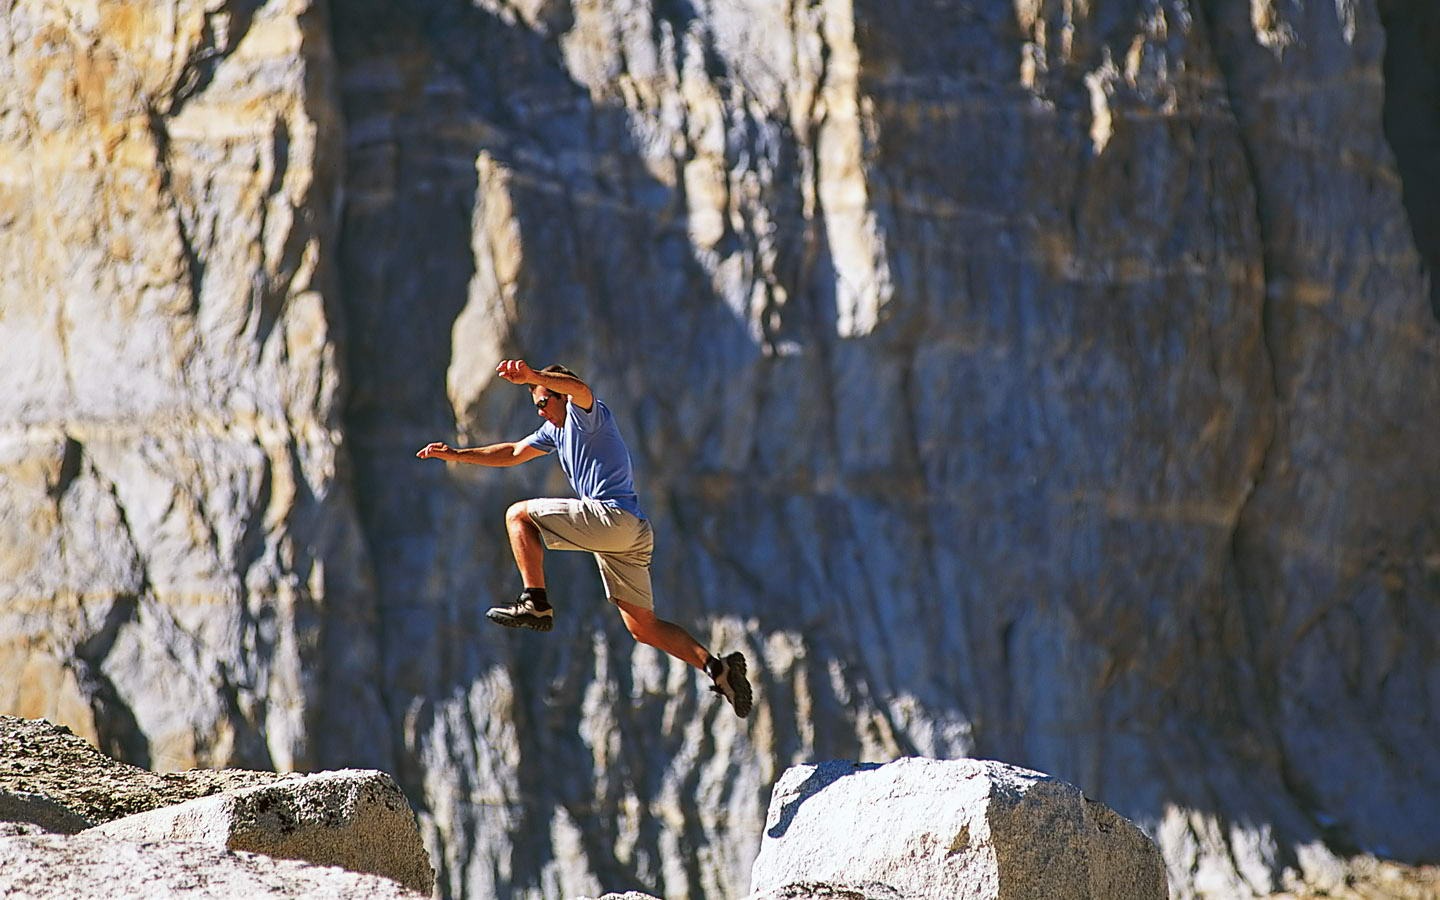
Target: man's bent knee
[(518, 514), (640, 622)]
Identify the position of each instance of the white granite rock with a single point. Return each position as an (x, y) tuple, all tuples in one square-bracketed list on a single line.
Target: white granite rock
[(40, 758), (357, 820), (960, 829), (56, 867)]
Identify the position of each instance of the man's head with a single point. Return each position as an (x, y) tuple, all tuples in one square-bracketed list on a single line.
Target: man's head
[(551, 406)]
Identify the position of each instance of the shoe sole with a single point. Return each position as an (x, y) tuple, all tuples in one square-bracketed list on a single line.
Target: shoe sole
[(743, 699), (534, 623)]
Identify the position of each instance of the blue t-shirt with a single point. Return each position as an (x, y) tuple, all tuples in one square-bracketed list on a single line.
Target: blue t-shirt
[(593, 456)]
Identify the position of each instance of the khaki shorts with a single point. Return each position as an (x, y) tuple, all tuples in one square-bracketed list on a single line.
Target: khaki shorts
[(622, 543)]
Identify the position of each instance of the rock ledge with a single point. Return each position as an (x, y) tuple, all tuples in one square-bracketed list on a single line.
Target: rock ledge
[(74, 822)]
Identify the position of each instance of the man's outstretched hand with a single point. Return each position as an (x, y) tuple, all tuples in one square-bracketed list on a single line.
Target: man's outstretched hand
[(516, 371), (436, 450)]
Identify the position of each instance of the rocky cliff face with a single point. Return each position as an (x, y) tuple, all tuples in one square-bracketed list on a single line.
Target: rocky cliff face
[(1037, 381), (180, 575)]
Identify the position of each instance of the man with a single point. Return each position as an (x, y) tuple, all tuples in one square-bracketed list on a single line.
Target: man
[(606, 520)]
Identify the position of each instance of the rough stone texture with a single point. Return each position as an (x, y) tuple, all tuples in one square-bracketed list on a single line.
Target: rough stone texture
[(965, 829), (52, 867), (1043, 381), (180, 580), (818, 890), (37, 757), (357, 820), (1368, 878)]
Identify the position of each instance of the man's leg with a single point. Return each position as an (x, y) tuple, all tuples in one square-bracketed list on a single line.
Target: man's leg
[(647, 628), (532, 609), (554, 524), (727, 672), (627, 584), (526, 544), (626, 576)]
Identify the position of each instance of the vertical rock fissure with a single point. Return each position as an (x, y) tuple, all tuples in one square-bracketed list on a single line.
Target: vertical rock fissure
[(1209, 17), (70, 462), (193, 260), (116, 727), (195, 75), (1410, 120), (200, 66), (117, 730), (1266, 681), (275, 293)]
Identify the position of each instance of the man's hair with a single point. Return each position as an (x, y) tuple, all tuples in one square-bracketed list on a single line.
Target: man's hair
[(556, 369)]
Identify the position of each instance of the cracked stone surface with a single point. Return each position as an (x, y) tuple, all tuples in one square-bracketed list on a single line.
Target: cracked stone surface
[(49, 761), (169, 405), (968, 829), (52, 867), (356, 819), (1051, 383)]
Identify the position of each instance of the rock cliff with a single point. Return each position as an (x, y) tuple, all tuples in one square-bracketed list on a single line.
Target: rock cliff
[(183, 576), (1041, 381)]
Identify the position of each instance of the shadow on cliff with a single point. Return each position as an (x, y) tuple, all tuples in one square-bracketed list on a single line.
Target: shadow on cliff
[(1412, 120), (614, 285), (428, 88)]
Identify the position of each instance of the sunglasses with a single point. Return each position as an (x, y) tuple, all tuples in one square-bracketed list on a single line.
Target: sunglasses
[(540, 404)]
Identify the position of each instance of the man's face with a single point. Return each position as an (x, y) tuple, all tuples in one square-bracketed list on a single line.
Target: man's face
[(550, 407)]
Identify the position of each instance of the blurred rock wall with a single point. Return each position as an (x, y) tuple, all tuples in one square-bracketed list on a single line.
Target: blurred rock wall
[(183, 578), (1040, 381)]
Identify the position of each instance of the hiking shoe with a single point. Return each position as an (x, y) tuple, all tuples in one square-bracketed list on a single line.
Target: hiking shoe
[(523, 613), (730, 682)]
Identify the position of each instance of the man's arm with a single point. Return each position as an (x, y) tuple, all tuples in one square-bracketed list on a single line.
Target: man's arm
[(517, 371), (510, 453)]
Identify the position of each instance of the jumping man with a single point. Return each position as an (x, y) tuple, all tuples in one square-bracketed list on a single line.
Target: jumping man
[(606, 520)]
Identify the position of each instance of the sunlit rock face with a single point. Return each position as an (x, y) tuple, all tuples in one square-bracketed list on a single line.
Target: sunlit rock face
[(180, 579), (1044, 382), (966, 828)]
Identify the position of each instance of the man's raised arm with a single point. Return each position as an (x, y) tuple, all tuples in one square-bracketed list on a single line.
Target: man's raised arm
[(517, 371), (506, 454)]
